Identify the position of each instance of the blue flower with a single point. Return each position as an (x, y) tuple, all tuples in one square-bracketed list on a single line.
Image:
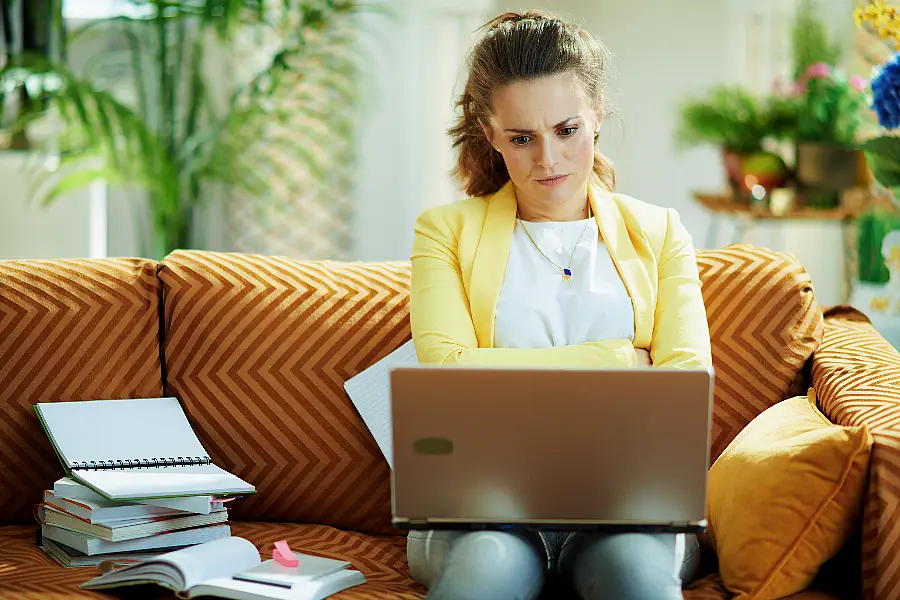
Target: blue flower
[(886, 93)]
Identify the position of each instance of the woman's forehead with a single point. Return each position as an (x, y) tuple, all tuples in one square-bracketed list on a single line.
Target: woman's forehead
[(542, 102)]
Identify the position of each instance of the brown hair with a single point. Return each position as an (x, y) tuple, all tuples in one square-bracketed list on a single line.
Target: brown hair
[(519, 47)]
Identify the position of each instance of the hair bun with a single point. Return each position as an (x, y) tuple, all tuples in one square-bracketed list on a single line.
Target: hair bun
[(515, 17)]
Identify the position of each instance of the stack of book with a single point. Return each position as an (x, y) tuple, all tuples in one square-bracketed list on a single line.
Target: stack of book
[(139, 482), (80, 528)]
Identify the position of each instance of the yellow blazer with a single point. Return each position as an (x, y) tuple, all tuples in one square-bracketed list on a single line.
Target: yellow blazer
[(458, 263)]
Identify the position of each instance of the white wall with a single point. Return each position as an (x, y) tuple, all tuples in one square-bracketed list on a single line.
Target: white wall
[(405, 154)]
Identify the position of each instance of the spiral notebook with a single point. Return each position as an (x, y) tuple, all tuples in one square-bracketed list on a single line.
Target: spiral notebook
[(133, 449)]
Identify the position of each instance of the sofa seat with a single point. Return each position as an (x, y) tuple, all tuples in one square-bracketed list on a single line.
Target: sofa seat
[(26, 573)]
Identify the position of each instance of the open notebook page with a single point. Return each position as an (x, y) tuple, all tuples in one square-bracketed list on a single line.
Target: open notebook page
[(154, 482), (107, 430), (370, 392)]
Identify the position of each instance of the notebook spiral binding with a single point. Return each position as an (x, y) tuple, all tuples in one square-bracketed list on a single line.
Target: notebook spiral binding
[(141, 463)]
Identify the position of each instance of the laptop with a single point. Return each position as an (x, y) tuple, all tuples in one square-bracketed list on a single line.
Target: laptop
[(550, 449)]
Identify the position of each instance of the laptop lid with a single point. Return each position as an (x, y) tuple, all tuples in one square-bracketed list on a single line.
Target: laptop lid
[(550, 448)]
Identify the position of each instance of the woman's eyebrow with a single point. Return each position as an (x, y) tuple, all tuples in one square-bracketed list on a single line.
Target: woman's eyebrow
[(560, 124)]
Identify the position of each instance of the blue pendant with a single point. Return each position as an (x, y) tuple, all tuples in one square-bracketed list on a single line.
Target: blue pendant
[(567, 273)]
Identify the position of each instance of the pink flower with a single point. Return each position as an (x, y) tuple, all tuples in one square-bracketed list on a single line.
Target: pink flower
[(858, 83), (819, 70), (798, 88)]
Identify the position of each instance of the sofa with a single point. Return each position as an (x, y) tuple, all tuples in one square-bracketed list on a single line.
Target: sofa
[(257, 349)]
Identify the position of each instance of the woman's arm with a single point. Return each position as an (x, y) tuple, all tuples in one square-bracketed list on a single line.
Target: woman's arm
[(680, 331), (442, 324)]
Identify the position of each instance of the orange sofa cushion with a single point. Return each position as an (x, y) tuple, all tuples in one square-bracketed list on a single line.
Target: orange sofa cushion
[(784, 497), (257, 349), (764, 324), (69, 330), (856, 374), (26, 573)]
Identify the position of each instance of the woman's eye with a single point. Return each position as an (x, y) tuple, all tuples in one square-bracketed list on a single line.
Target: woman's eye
[(520, 140), (568, 131)]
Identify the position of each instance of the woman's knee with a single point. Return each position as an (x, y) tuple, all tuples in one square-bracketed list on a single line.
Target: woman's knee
[(630, 566), (482, 564)]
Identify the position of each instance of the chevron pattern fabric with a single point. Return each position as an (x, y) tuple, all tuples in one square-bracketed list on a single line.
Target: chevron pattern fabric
[(26, 573), (69, 330), (764, 324), (856, 374), (258, 348)]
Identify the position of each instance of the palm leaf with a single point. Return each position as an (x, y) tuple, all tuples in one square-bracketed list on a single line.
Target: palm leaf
[(276, 136), (96, 124)]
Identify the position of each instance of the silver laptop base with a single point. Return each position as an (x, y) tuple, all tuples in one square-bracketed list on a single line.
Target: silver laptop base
[(407, 525)]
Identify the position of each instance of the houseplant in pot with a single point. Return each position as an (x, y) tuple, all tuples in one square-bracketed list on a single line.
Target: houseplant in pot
[(829, 110), (877, 290), (737, 122), (171, 127)]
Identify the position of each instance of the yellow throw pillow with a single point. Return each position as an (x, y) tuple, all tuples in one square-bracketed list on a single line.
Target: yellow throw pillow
[(783, 498)]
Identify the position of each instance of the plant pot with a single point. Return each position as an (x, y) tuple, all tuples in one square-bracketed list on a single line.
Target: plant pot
[(829, 166), (734, 173)]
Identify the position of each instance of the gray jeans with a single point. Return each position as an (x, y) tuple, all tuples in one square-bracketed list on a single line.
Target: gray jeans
[(500, 565)]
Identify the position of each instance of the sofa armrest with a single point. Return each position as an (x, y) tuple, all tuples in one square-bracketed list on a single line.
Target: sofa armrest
[(856, 375)]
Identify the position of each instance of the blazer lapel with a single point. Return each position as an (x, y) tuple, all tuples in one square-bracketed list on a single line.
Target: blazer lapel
[(489, 265), (629, 264)]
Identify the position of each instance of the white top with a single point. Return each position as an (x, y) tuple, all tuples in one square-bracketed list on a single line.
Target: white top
[(539, 309)]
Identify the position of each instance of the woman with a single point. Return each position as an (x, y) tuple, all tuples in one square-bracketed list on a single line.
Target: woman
[(545, 266)]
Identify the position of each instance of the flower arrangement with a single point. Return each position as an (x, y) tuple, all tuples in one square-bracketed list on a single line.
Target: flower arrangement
[(829, 105), (883, 152)]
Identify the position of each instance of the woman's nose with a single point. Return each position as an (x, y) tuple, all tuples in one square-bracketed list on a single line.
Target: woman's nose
[(546, 155)]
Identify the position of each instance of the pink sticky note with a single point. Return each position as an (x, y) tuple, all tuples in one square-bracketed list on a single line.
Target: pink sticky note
[(283, 555)]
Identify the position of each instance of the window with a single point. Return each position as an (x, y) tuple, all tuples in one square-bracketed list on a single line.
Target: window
[(102, 9)]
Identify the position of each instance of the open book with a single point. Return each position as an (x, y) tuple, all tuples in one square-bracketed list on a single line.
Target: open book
[(132, 449), (232, 568)]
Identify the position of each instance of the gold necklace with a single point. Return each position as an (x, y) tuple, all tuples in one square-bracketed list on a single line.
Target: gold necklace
[(566, 271)]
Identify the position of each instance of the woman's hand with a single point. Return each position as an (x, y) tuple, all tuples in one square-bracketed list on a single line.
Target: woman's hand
[(643, 357)]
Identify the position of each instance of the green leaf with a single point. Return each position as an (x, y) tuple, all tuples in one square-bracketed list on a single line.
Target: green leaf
[(73, 181), (883, 157)]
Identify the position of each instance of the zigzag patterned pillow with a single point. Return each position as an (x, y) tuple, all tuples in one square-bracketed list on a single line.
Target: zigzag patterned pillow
[(74, 329), (764, 324), (258, 348)]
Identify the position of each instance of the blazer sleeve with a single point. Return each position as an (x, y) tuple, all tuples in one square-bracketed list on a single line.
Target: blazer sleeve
[(680, 331), (441, 321)]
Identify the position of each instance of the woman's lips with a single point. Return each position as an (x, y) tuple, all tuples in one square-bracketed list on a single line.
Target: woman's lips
[(551, 181)]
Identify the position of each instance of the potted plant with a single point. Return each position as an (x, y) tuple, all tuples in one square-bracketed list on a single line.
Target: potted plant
[(164, 128), (829, 110), (877, 291), (738, 122)]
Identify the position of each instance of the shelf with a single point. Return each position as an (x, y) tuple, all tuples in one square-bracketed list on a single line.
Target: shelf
[(724, 203)]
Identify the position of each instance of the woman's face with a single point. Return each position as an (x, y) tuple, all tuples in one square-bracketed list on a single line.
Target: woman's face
[(544, 129)]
